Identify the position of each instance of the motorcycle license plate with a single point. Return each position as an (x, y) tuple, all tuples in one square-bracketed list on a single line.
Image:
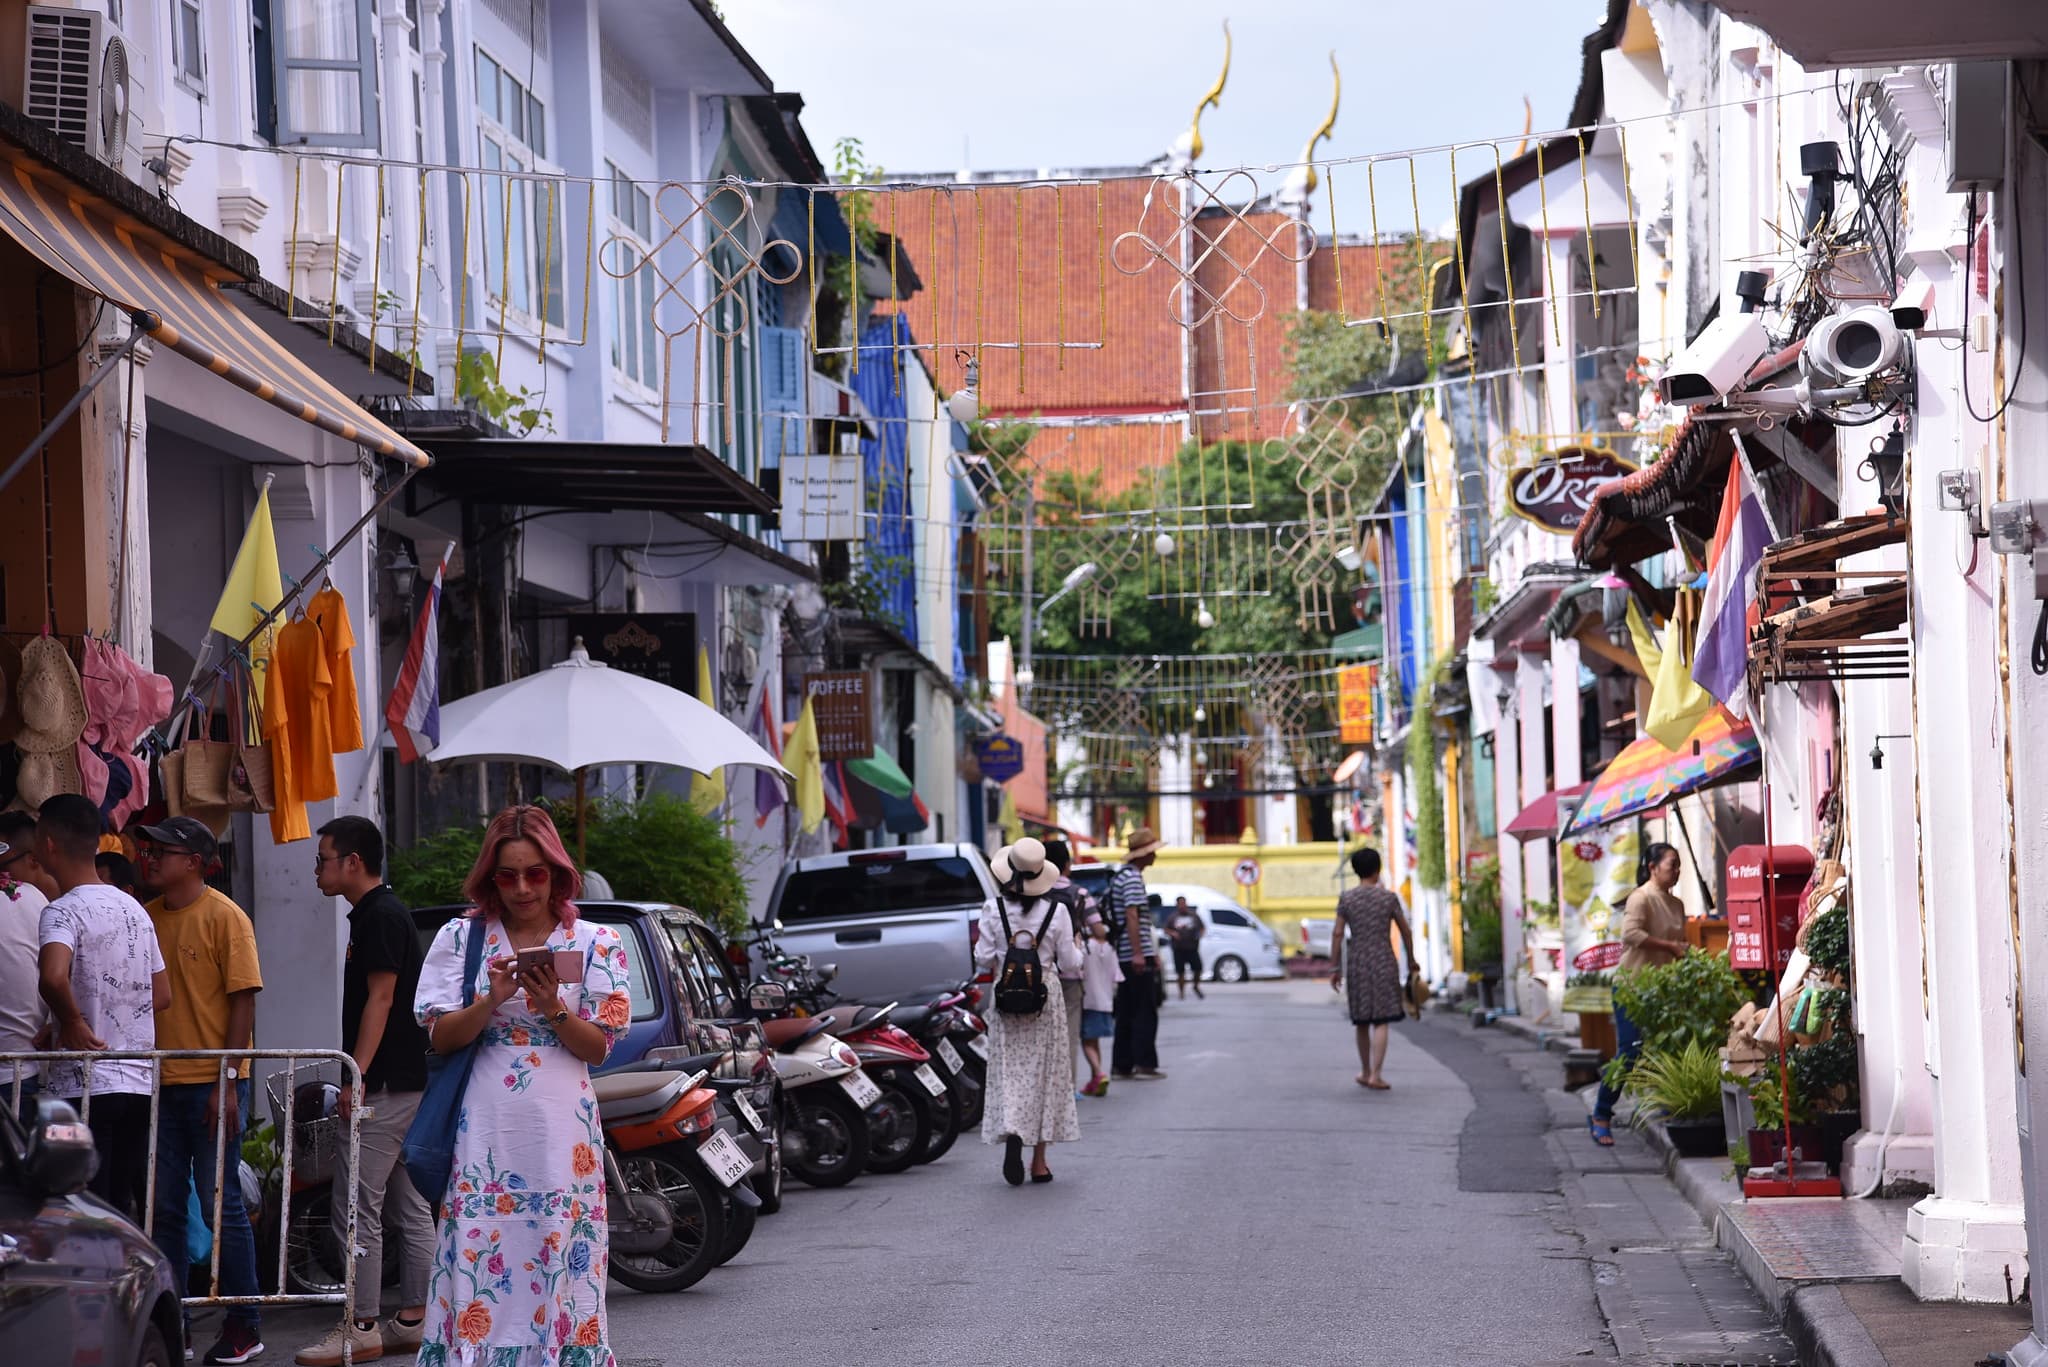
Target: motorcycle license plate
[(950, 1054), (861, 1088), (933, 1083), (979, 1044), (747, 1112), (727, 1161)]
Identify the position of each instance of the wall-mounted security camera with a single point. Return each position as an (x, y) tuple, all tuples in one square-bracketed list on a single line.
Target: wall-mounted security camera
[(1715, 362), (1854, 346)]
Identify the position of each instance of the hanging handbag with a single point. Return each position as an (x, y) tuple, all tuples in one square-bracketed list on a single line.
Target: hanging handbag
[(429, 1149), (249, 781), (1020, 985), (203, 761)]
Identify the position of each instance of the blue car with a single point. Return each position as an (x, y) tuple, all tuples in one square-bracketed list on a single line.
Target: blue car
[(79, 1283)]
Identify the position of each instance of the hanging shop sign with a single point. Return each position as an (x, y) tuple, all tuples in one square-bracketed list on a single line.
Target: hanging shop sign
[(1001, 757), (822, 498), (839, 706), (661, 646), (1354, 704), (1557, 490), (1247, 873), (1598, 958)]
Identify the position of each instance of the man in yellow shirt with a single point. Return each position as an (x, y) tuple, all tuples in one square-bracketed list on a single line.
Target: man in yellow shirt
[(209, 950)]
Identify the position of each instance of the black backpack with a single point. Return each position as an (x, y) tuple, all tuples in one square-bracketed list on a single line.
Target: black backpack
[(1020, 985)]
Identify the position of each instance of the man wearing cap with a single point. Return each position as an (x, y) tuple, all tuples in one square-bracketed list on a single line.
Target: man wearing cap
[(209, 948), (1136, 1051)]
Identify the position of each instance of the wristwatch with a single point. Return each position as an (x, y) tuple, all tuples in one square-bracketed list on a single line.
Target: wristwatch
[(559, 1016), (234, 1074)]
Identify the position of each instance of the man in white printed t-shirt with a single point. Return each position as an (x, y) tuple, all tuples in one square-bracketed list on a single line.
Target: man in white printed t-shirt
[(103, 977)]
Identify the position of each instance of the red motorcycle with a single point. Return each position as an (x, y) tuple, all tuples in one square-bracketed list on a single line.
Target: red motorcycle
[(916, 1108)]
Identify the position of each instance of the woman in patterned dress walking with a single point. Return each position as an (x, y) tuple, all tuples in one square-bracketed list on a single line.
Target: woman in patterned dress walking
[(1030, 1087), (518, 1280), (1367, 914)]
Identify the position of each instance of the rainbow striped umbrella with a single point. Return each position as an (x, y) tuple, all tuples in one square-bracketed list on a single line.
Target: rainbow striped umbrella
[(1646, 775)]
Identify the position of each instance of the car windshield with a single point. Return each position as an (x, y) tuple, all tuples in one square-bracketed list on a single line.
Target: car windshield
[(879, 888)]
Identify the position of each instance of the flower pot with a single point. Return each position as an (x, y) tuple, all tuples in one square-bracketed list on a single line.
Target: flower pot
[(1698, 1137), (1767, 1147), (1596, 1032)]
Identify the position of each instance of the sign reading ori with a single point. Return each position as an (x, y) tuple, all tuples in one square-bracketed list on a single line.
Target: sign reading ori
[(1556, 491)]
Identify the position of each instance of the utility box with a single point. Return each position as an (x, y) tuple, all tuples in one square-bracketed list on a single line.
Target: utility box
[(1764, 886)]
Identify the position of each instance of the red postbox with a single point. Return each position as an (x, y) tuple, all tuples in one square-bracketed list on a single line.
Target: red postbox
[(1764, 885)]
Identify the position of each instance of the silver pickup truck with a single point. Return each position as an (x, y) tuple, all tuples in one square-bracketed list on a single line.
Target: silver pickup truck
[(900, 923)]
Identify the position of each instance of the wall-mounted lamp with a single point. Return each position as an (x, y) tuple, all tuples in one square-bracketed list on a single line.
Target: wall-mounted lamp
[(1886, 467), (1877, 748)]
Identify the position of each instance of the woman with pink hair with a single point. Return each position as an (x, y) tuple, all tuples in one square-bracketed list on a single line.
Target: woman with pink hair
[(518, 1279)]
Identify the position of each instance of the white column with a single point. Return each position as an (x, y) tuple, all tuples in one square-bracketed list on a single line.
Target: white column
[(1176, 779)]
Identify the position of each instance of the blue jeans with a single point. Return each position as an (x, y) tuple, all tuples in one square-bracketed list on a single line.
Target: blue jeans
[(184, 1159), (1628, 1044)]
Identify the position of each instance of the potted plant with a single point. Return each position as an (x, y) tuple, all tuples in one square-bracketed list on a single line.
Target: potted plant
[(1479, 909), (1590, 996), (1767, 1140), (1682, 1089)]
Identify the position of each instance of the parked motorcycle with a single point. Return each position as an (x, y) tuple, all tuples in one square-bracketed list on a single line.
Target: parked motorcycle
[(662, 1141), (937, 1027), (825, 1134), (915, 1109)]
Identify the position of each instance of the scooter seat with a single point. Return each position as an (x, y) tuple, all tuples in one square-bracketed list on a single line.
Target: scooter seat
[(910, 1017), (633, 1096), (841, 1020), (784, 1031)]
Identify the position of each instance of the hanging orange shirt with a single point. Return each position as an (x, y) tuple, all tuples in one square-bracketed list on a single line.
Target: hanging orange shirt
[(288, 810), (306, 686), (345, 718)]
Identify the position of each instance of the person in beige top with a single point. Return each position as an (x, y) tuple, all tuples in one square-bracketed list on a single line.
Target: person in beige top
[(1652, 933)]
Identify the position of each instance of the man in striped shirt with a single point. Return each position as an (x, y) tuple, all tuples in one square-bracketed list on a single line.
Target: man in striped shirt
[(1136, 1050)]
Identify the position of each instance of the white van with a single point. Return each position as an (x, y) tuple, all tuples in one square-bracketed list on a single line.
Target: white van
[(1236, 944)]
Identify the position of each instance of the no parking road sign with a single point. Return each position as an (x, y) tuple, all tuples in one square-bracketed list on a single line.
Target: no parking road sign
[(1246, 873)]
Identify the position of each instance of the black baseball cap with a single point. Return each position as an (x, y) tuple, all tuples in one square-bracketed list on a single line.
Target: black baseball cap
[(182, 833)]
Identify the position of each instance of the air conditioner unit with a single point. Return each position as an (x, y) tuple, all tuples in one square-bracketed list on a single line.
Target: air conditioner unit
[(75, 79)]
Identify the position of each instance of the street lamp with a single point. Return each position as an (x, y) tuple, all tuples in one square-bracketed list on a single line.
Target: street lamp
[(1076, 577)]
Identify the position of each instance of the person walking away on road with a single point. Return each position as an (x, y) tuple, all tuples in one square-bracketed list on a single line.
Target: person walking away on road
[(1366, 916), (1184, 931), (1135, 1052), (209, 949), (1030, 1088), (22, 1013), (1652, 933), (380, 977), (102, 976), (520, 1260), (1078, 904), (1099, 977)]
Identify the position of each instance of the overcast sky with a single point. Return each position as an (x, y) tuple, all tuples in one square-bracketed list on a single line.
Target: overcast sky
[(1030, 84)]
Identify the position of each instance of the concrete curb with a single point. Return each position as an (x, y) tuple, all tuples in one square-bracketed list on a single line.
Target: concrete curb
[(1556, 1040), (1826, 1331)]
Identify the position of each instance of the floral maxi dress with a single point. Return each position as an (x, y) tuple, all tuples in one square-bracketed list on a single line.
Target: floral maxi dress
[(1030, 1086), (519, 1269)]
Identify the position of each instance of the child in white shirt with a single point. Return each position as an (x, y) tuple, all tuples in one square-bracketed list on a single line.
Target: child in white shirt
[(1100, 974)]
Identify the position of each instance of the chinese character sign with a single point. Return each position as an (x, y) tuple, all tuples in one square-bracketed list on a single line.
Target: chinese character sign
[(1354, 704)]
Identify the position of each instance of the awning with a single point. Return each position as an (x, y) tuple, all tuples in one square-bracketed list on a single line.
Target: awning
[(1645, 776), (1538, 820), (889, 795), (174, 294), (600, 476), (1368, 642)]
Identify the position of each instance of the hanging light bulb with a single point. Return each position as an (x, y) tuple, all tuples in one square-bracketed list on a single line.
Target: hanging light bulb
[(965, 404), (1201, 712), (1163, 544), (1203, 617)]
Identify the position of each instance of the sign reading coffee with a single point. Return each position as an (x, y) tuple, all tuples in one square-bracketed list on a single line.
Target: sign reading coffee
[(839, 705), (1556, 491)]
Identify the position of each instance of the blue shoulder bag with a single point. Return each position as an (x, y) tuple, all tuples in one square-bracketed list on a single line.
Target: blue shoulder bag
[(429, 1149)]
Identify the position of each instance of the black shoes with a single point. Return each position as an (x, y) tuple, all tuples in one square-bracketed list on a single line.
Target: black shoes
[(1013, 1161)]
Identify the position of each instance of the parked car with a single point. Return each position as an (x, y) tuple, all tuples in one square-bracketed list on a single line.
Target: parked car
[(1236, 944), (1315, 935), (899, 924), (79, 1283)]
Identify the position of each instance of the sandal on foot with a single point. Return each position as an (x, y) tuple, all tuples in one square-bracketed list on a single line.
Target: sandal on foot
[(1603, 1133), (1013, 1161), (1041, 1177)]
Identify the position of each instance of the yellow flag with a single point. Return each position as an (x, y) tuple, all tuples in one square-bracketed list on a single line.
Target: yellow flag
[(254, 585), (1676, 703), (707, 791), (1008, 821), (801, 758)]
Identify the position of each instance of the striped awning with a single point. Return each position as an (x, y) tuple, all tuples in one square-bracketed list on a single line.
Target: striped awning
[(174, 295)]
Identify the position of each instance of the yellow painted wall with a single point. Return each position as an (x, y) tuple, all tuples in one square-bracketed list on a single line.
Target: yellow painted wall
[(1296, 880)]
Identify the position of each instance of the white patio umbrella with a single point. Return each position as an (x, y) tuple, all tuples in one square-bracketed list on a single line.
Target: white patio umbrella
[(580, 714)]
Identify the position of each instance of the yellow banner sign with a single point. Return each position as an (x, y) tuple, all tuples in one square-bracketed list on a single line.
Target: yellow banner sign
[(1354, 703)]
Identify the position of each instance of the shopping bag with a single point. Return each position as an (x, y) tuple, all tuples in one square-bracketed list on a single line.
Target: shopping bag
[(428, 1152)]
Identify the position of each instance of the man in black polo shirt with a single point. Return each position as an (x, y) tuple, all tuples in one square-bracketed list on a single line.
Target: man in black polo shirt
[(378, 984)]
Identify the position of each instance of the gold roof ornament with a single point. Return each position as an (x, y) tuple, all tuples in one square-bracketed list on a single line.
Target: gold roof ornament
[(1326, 128), (1190, 144)]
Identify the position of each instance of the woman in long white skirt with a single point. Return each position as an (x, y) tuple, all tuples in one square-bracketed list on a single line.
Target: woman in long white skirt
[(1030, 1089)]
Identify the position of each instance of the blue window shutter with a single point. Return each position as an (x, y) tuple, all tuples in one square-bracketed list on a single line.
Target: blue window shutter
[(782, 369)]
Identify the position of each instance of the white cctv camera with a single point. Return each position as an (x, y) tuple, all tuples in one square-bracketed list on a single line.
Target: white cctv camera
[(1716, 361), (1854, 346)]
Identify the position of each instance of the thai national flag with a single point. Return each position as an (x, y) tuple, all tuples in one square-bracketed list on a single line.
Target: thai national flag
[(414, 711), (766, 729), (1721, 655)]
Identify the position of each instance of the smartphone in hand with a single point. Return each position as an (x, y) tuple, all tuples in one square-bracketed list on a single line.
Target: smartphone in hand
[(568, 962)]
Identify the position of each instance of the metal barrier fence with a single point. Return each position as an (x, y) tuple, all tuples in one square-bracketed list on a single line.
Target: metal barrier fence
[(324, 1138)]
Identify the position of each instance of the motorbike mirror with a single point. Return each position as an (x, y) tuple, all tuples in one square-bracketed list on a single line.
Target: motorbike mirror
[(60, 1158), (827, 972), (768, 997), (778, 924)]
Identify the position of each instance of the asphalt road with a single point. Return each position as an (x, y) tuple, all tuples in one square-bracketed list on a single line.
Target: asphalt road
[(1254, 1207)]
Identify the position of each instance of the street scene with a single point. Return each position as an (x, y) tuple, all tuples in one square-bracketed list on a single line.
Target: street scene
[(764, 680)]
